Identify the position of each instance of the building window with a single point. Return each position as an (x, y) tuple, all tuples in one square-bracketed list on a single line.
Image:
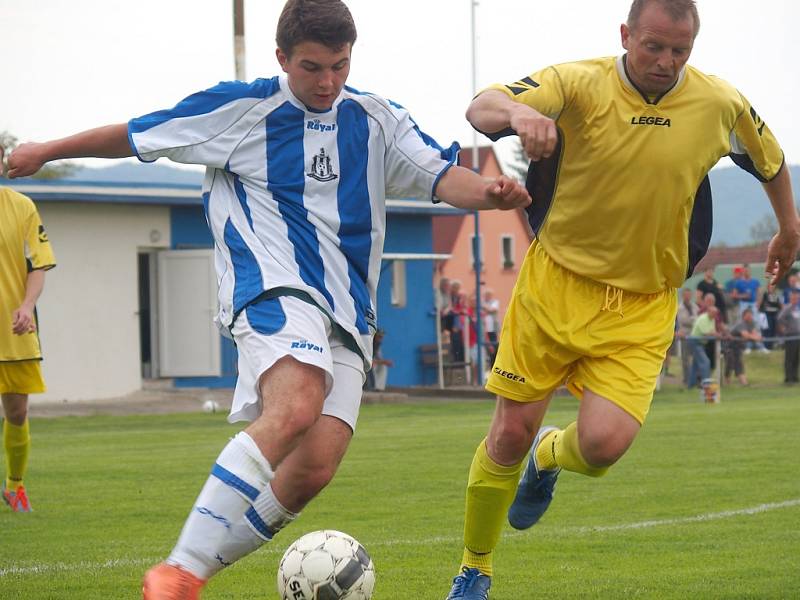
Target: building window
[(472, 251), (399, 283), (507, 251)]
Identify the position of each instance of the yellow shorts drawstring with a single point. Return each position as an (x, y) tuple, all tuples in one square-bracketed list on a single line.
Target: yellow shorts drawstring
[(613, 300)]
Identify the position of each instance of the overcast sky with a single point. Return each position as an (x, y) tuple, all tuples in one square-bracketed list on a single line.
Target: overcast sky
[(70, 66)]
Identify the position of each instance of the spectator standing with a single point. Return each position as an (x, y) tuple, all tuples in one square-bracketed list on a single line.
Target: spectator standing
[(770, 307), (719, 327), (378, 374), (745, 330), (491, 322), (748, 288), (709, 285), (455, 291), (444, 300), (687, 315), (458, 311), (792, 283), (704, 327), (732, 293), (789, 326)]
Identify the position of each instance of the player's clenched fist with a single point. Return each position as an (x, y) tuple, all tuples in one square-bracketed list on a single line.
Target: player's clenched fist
[(25, 160), (505, 193), (537, 133)]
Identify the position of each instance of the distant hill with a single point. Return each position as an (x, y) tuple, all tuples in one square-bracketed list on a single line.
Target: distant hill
[(739, 202), (739, 199)]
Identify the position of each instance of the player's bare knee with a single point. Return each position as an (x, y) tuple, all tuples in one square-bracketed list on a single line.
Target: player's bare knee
[(603, 450), (300, 419), (15, 407), (508, 441)]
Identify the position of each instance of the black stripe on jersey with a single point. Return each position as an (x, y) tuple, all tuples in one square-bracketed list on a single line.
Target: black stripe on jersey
[(517, 90), (700, 225), (522, 85), (743, 161), (498, 134), (529, 81), (541, 183)]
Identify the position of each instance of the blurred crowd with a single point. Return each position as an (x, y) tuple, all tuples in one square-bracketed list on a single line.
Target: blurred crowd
[(458, 315), (744, 317)]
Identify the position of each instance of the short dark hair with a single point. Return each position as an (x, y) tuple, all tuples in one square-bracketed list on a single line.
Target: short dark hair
[(677, 9), (327, 22)]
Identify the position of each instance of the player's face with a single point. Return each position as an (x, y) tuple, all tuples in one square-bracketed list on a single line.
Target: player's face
[(316, 73), (658, 47)]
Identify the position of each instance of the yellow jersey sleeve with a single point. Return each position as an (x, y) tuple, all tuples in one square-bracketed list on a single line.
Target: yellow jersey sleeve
[(542, 91), (753, 146), (38, 250)]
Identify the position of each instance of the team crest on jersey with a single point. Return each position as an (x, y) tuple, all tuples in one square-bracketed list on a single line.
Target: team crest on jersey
[(43, 235), (321, 168)]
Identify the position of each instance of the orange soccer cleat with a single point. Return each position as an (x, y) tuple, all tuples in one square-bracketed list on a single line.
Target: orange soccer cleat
[(18, 500), (169, 582)]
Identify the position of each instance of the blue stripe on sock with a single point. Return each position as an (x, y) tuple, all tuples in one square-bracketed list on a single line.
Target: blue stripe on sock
[(235, 482), (256, 521)]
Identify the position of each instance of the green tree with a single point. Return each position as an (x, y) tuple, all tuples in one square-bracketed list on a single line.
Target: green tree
[(55, 170), (762, 230)]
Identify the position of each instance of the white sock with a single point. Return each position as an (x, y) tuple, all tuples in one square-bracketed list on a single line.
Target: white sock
[(212, 537), (261, 521)]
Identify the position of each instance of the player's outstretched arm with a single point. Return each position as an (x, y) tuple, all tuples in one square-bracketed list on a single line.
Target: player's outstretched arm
[(493, 111), (783, 248), (464, 188), (109, 141)]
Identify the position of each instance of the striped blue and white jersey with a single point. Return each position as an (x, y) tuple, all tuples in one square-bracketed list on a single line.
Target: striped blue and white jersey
[(296, 198)]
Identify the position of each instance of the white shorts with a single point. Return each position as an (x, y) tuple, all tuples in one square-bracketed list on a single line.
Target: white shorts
[(268, 330)]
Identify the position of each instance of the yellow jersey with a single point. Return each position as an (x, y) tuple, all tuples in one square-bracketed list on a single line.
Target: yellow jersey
[(23, 247), (625, 199)]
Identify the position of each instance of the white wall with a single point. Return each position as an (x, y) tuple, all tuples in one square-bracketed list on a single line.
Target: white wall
[(88, 311)]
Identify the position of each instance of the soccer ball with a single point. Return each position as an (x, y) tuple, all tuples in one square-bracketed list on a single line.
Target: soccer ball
[(210, 406), (326, 565)]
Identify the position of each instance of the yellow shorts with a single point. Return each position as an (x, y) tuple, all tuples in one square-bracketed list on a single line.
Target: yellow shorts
[(21, 377), (562, 328)]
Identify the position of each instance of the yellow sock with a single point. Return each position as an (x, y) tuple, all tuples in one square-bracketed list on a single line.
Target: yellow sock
[(17, 445), (490, 491), (560, 448)]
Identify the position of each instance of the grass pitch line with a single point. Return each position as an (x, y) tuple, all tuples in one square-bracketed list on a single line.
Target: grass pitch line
[(85, 566), (761, 508)]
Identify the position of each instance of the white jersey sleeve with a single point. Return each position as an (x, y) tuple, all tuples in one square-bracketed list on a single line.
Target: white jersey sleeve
[(204, 128), (414, 159)]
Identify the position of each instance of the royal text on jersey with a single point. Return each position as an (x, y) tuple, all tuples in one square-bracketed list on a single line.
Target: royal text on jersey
[(306, 345), (317, 125)]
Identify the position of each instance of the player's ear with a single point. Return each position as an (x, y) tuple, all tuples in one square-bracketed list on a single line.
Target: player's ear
[(282, 58), (625, 35)]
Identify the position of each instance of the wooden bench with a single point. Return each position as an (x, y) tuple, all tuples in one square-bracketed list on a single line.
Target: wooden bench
[(453, 370)]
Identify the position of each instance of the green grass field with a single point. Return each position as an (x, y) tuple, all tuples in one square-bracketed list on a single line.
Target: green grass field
[(705, 505)]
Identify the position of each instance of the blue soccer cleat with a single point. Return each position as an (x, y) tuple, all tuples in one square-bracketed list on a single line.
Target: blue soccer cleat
[(535, 490), (470, 584)]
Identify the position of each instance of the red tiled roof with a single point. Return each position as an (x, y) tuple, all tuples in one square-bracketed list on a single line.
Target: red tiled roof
[(731, 256)]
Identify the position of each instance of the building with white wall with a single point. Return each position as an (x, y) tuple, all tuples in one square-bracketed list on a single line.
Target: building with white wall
[(134, 292)]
